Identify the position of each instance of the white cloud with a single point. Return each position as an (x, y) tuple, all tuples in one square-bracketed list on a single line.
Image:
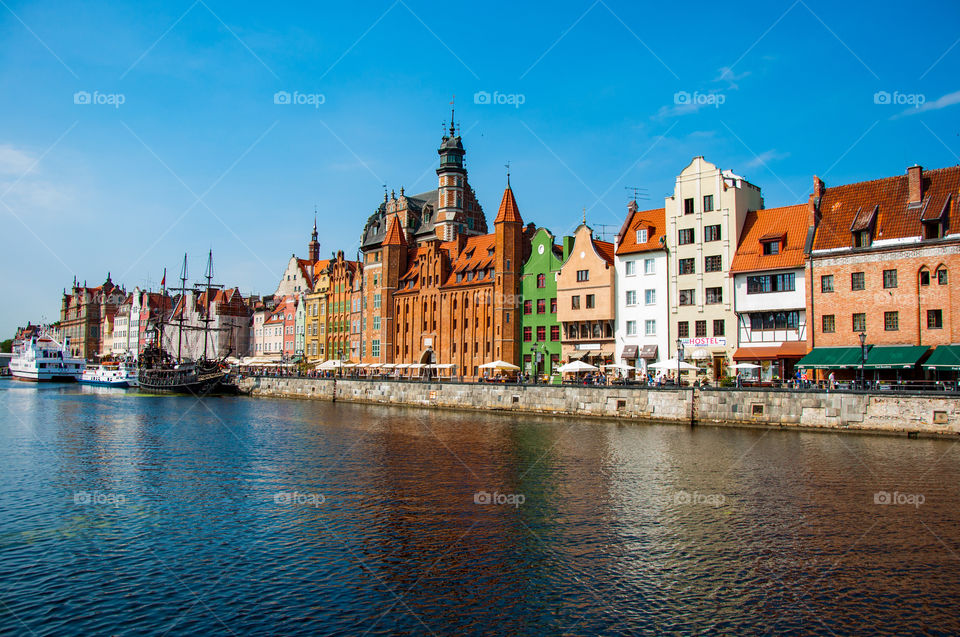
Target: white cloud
[(14, 161), (727, 75), (947, 100), (766, 157), (677, 110)]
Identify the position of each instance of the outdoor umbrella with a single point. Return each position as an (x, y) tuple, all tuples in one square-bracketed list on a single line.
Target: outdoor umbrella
[(575, 367), (499, 365), (744, 366), (671, 364)]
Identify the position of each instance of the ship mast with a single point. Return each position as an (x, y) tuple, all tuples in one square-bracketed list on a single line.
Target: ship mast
[(183, 306), (210, 287)]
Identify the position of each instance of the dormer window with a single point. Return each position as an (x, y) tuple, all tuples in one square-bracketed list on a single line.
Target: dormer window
[(862, 227), (641, 236), (490, 252), (862, 239), (771, 247)]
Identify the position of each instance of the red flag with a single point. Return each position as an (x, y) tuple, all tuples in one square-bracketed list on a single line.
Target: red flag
[(163, 281)]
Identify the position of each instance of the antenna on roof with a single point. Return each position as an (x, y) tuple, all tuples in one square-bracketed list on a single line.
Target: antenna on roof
[(638, 193), (604, 231), (584, 215)]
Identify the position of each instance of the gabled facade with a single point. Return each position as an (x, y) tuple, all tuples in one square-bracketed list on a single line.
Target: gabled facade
[(228, 327), (82, 314), (540, 330), (586, 304), (704, 217), (642, 327), (770, 291), (315, 339)]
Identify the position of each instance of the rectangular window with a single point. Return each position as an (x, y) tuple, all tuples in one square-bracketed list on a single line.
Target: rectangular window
[(924, 278), (631, 328), (713, 263), (575, 302), (857, 281), (527, 334), (826, 283), (771, 283), (711, 233), (891, 321), (708, 203), (591, 301), (685, 236), (541, 332), (630, 267), (860, 322), (650, 266), (375, 348), (642, 236), (554, 332), (771, 247), (553, 306), (650, 327), (687, 297), (541, 306), (688, 206), (714, 296), (650, 297), (829, 323), (583, 275), (942, 276), (934, 319), (686, 266), (889, 278), (683, 329), (376, 301), (631, 297), (376, 322), (528, 307), (719, 327), (700, 328), (541, 280)]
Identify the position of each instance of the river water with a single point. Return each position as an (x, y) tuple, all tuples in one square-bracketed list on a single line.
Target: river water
[(130, 514)]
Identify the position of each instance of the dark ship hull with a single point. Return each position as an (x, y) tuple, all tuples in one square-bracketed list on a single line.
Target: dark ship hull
[(174, 381)]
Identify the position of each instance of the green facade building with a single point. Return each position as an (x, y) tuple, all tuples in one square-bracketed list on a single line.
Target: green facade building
[(540, 330)]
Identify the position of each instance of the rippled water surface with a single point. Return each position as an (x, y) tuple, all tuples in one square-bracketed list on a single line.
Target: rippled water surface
[(130, 514)]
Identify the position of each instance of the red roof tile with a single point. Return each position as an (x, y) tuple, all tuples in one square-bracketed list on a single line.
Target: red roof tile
[(473, 256), (508, 208), (843, 208), (394, 232), (604, 249), (770, 224), (653, 220)]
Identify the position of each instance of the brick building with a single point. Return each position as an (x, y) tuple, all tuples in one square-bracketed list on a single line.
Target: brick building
[(883, 261), (82, 314)]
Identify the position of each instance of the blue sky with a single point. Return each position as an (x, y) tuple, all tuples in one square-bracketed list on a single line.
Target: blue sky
[(198, 155)]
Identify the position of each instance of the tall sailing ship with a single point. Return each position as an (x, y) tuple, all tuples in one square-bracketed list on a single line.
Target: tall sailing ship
[(161, 371)]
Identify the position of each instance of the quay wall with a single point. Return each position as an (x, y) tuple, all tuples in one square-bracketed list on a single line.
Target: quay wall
[(877, 412)]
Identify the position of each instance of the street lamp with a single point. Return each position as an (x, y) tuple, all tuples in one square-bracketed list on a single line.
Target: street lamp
[(679, 358), (863, 357)]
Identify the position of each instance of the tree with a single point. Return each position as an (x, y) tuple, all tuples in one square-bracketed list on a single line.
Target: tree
[(6, 347)]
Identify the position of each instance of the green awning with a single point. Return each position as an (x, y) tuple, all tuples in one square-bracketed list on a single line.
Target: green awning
[(831, 358), (944, 357), (895, 356)]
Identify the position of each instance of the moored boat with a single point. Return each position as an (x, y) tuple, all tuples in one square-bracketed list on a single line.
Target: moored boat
[(43, 358), (110, 375)]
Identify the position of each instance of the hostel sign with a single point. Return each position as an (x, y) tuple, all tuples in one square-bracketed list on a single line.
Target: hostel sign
[(704, 341)]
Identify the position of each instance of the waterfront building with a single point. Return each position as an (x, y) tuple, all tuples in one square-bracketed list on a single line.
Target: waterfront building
[(258, 319), (541, 345), (770, 291), (299, 326), (884, 262), (586, 307), (341, 308), (357, 344), (442, 214), (226, 316), (273, 324), (82, 312), (642, 334), (122, 345), (704, 217), (316, 300), (298, 276)]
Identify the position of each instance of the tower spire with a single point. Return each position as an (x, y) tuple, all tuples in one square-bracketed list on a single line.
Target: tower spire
[(452, 131), (507, 166), (584, 215)]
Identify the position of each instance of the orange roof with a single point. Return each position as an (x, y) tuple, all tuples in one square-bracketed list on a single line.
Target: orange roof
[(788, 225), (508, 208), (394, 235), (473, 256), (604, 249), (653, 220), (848, 207)]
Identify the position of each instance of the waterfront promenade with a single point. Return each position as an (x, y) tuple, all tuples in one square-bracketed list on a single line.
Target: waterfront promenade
[(928, 414)]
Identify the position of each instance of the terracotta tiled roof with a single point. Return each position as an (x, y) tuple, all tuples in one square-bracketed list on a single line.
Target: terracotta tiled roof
[(771, 224), (394, 232), (476, 247), (653, 220), (843, 207), (604, 249), (508, 208)]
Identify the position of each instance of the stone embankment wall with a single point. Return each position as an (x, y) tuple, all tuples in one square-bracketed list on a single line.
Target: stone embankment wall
[(878, 412)]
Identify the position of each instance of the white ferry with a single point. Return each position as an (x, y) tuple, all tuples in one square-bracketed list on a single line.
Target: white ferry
[(110, 375), (42, 358)]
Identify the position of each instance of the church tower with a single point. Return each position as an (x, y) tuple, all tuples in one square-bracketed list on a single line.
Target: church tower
[(508, 263), (313, 248), (452, 184)]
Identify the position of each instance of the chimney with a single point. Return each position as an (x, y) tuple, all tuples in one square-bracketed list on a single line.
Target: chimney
[(813, 205), (915, 183)]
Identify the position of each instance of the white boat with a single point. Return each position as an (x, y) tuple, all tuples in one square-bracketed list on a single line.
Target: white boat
[(42, 358), (110, 375)]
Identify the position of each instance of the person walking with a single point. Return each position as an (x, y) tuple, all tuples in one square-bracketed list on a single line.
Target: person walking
[(739, 380), (831, 381)]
